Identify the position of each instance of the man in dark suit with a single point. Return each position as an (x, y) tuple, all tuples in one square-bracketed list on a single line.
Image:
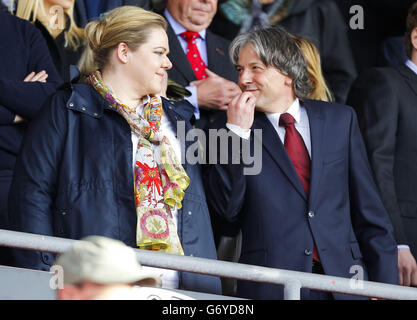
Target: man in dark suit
[(386, 103), (200, 59), (313, 206)]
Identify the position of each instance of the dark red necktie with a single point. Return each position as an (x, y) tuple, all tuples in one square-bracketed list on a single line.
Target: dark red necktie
[(298, 153), (193, 55)]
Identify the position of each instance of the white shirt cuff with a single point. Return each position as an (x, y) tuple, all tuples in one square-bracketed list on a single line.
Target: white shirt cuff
[(193, 99), (243, 133), (403, 246)]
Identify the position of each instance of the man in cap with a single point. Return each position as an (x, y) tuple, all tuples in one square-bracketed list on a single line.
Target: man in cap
[(103, 268)]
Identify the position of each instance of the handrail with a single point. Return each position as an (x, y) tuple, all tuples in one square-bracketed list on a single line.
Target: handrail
[(293, 281)]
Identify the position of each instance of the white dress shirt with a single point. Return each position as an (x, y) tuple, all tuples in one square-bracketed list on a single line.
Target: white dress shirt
[(170, 278), (301, 123), (411, 65)]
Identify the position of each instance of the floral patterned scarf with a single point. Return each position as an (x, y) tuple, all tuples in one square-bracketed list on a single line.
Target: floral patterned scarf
[(158, 188)]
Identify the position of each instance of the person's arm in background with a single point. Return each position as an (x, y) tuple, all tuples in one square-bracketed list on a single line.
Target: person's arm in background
[(6, 116), (215, 92), (34, 184), (25, 97)]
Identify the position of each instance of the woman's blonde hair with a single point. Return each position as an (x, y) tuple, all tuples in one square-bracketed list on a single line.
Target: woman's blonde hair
[(319, 89), (127, 24), (33, 10)]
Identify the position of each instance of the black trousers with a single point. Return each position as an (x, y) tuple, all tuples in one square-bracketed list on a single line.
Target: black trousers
[(317, 268)]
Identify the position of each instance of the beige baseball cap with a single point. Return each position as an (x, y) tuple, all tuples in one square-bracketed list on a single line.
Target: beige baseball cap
[(104, 261)]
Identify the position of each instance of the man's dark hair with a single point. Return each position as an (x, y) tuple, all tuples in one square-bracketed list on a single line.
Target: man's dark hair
[(410, 26), (276, 48)]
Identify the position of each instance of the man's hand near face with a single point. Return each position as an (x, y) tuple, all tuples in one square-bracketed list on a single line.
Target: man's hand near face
[(241, 110), (215, 92)]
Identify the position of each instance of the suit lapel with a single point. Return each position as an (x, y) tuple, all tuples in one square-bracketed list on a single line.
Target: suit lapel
[(178, 58), (316, 121), (273, 145), (410, 77)]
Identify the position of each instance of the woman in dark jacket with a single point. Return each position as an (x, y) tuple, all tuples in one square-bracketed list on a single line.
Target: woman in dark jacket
[(105, 159), (54, 18)]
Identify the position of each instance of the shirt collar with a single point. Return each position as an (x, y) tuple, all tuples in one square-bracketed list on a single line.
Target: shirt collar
[(293, 110), (178, 27), (411, 65), (145, 100)]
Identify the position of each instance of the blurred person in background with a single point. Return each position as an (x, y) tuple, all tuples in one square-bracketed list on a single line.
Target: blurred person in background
[(318, 87), (385, 100), (88, 10), (55, 20), (199, 58)]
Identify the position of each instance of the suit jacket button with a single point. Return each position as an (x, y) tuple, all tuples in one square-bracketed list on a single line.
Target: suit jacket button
[(307, 252), (311, 214)]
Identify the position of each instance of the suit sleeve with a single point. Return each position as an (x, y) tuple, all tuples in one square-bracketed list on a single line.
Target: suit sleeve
[(377, 106), (225, 185), (26, 98), (35, 178), (371, 223)]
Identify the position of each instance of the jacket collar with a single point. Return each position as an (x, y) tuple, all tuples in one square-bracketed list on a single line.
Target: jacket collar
[(86, 100), (409, 76)]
